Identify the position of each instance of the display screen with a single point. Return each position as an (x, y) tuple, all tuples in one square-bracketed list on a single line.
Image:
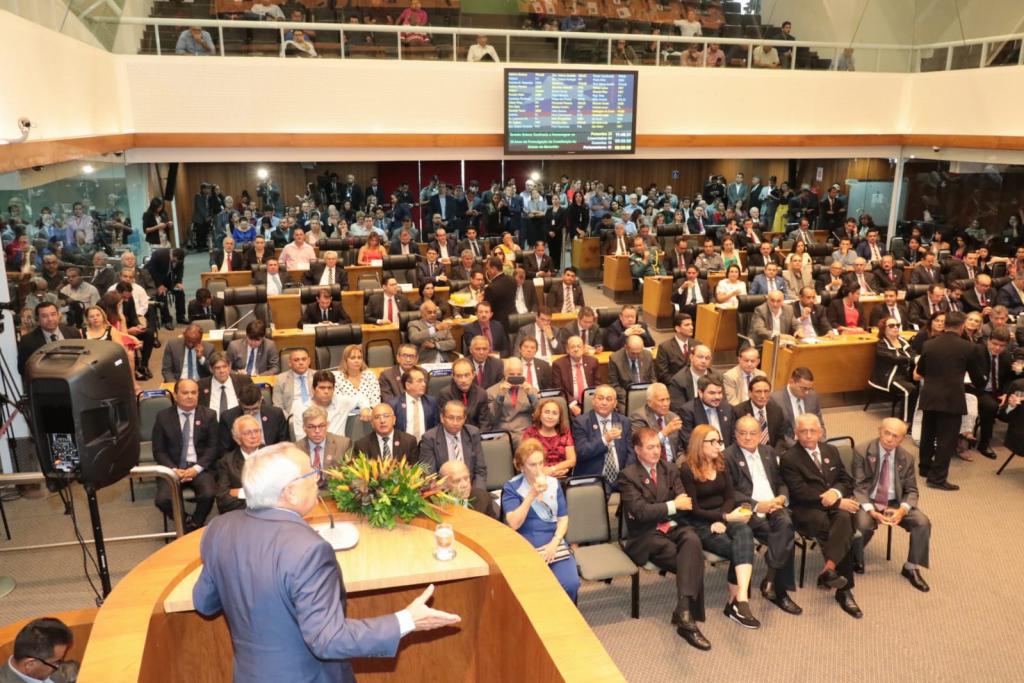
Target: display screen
[(570, 112)]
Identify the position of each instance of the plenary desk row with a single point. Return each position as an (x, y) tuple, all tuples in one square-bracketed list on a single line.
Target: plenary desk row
[(515, 616), (716, 326)]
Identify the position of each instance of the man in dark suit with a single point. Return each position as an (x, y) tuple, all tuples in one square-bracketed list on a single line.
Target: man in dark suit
[(384, 307), (205, 307), (604, 440), (690, 292), (472, 244), (674, 353), (187, 356), (185, 439), (402, 244), (324, 310), (625, 325), (926, 272), (809, 317), (536, 370), (442, 204), (768, 414), (254, 354), (501, 291), (537, 263), (885, 485), (453, 439), (963, 270), (49, 330), (871, 249), (567, 295), (823, 507), (753, 468), (459, 483), (219, 391), (632, 364), (1011, 295), (996, 364), (922, 308), (385, 440), (226, 259), (655, 504), (891, 308), (708, 407), (465, 390), (289, 623), (489, 328), (273, 278), (391, 379), (167, 268), (943, 364), (655, 414), (887, 276), (272, 422), (585, 327), (414, 398), (764, 256), (574, 373), (979, 297), (430, 270), (327, 272), (244, 441), (525, 291), (831, 210), (795, 399), (682, 388), (103, 276), (680, 257)]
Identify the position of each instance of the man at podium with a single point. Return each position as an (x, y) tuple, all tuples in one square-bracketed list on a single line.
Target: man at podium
[(279, 585)]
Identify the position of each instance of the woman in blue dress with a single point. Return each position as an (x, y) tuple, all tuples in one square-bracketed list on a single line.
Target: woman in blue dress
[(534, 506)]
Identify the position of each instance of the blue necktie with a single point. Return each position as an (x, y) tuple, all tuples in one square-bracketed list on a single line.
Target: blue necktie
[(251, 365), (303, 389)]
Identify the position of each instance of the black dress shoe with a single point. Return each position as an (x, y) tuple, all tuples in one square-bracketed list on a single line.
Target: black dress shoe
[(786, 604), (858, 567), (156, 342), (988, 453), (686, 628), (849, 605), (915, 579), (168, 325), (944, 486), (830, 578)]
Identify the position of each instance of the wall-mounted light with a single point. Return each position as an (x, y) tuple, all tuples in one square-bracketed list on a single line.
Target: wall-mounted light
[(88, 168), (262, 173), (535, 176)]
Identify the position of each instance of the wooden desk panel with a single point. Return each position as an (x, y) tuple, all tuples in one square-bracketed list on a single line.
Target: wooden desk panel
[(657, 305), (355, 272), (236, 278), (618, 282), (841, 364), (716, 327), (286, 338), (586, 253), (285, 310), (257, 379), (352, 302)]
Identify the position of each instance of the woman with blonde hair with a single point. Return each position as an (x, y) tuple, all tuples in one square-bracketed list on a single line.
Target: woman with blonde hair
[(356, 386)]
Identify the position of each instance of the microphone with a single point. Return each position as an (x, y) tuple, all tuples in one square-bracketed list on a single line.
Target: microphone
[(330, 517), (232, 325)]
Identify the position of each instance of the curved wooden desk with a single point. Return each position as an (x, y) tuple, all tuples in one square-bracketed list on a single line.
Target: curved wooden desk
[(516, 618)]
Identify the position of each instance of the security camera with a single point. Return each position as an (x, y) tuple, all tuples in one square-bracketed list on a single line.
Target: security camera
[(24, 125), (936, 148)]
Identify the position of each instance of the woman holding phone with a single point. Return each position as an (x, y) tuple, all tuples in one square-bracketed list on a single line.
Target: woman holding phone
[(721, 525), (534, 506)]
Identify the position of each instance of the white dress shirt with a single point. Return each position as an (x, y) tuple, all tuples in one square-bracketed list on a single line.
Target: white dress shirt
[(190, 457), (216, 389)]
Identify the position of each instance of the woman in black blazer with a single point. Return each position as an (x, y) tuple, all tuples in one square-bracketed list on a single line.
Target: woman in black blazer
[(936, 324), (577, 216), (894, 366), (847, 301)]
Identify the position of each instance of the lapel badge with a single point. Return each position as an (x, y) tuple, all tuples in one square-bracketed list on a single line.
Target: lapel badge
[(198, 422), (647, 482), (741, 463), (827, 461)]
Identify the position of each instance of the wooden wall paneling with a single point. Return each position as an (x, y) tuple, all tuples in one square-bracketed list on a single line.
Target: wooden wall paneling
[(838, 170), (183, 192)]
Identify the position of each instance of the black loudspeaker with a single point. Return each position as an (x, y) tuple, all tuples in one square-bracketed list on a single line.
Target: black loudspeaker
[(84, 416), (172, 181)]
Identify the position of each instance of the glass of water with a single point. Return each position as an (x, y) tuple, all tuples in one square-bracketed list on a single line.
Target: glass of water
[(444, 542)]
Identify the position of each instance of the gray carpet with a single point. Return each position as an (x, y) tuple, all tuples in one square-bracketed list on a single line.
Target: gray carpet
[(964, 629)]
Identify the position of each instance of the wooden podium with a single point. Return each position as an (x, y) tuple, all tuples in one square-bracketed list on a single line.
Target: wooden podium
[(234, 278), (839, 364), (517, 622), (716, 327), (618, 282), (586, 254), (657, 305)]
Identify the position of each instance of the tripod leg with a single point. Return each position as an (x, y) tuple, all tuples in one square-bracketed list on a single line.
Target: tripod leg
[(97, 534)]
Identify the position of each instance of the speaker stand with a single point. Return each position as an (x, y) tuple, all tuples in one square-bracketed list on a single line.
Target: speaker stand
[(97, 534), (6, 585)]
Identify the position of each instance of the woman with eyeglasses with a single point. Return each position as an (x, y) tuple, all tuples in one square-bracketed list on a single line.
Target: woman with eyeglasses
[(894, 366), (720, 524), (534, 506)]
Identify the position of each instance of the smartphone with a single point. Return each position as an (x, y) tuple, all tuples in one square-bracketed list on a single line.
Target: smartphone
[(515, 380)]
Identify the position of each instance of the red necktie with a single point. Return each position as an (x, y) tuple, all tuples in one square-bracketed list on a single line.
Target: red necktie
[(465, 397), (480, 374), (514, 394), (581, 383), (391, 310), (487, 333), (529, 373)]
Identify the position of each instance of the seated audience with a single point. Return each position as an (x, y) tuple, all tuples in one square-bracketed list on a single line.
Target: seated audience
[(771, 319), (432, 337), (719, 522), (385, 441), (736, 380), (769, 281), (219, 390), (891, 307), (844, 313), (187, 356), (823, 507), (708, 407), (328, 273), (458, 483), (390, 380), (293, 388), (492, 330), (632, 364), (566, 296), (683, 385), (40, 653), (574, 373), (674, 353), (415, 411), (454, 441), (534, 505), (255, 354), (691, 291), (730, 288), (274, 278), (511, 401), (894, 366), (542, 332), (465, 390), (585, 327), (226, 259), (324, 310), (297, 254), (768, 414), (247, 438), (656, 415), (271, 420), (795, 399), (537, 371), (551, 428), (623, 326), (661, 532), (325, 447), (205, 307)]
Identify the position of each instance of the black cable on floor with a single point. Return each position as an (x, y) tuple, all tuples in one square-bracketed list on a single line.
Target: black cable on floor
[(69, 503)]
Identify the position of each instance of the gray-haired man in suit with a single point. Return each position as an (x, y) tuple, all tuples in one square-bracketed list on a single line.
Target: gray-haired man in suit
[(325, 450), (885, 485), (772, 318), (280, 588)]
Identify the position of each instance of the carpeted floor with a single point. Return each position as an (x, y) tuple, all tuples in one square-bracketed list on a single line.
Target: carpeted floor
[(964, 629)]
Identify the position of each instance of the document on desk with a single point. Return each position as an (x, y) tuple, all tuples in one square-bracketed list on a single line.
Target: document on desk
[(810, 340), (215, 335)]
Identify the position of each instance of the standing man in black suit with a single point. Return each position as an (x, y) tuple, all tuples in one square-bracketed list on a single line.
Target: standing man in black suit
[(501, 291), (821, 499), (674, 353), (886, 488), (49, 330), (385, 440), (753, 468), (943, 364), (708, 407), (655, 505), (185, 439), (769, 416)]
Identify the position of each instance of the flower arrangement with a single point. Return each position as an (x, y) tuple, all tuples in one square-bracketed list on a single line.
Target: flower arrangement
[(386, 490)]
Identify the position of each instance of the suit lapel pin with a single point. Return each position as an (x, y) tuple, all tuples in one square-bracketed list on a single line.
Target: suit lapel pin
[(647, 482), (742, 464), (594, 427), (826, 461), (198, 422), (264, 418)]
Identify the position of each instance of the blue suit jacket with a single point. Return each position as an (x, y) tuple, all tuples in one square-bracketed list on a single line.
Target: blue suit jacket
[(431, 415), (760, 285), (864, 249), (591, 449), (279, 586)]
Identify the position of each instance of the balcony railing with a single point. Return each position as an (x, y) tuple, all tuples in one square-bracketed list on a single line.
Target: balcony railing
[(349, 41)]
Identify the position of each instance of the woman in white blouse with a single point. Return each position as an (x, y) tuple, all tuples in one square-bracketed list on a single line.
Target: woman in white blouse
[(357, 386), (730, 288)]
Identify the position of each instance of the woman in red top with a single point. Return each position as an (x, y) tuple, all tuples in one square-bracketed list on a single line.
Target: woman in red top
[(371, 251), (551, 428), (844, 313)]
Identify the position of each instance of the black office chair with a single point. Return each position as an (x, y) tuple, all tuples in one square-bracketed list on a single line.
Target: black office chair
[(914, 291), (402, 267), (607, 315), (308, 295), (744, 312), (516, 321), (330, 342), (403, 323)]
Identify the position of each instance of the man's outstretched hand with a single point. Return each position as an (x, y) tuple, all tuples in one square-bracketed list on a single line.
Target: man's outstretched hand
[(427, 618)]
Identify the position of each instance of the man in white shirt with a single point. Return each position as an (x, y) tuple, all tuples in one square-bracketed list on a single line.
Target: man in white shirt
[(266, 9), (445, 249), (222, 396), (479, 50), (78, 289), (323, 396), (297, 255), (766, 57), (139, 295)]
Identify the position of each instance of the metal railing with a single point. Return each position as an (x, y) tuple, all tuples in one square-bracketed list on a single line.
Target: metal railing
[(158, 471), (666, 49)]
